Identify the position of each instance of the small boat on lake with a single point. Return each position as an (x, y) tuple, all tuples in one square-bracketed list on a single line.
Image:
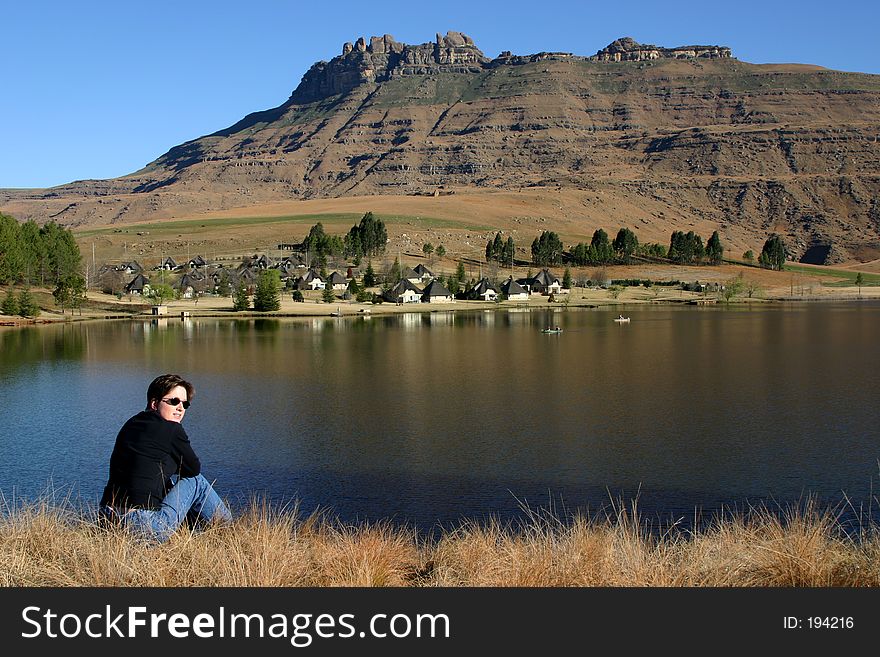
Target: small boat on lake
[(552, 329), (336, 313), (621, 319)]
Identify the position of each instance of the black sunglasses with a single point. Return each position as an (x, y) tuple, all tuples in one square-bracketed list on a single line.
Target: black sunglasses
[(174, 401)]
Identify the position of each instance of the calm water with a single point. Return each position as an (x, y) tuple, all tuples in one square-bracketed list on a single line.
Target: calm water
[(437, 417)]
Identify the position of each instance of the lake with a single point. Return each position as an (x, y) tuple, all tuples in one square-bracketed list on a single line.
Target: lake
[(431, 418)]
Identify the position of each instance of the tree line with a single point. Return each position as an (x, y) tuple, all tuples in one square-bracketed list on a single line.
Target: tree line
[(684, 248), (365, 239), (45, 255), (36, 255)]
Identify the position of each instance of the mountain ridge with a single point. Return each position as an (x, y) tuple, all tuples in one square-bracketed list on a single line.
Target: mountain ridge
[(689, 131)]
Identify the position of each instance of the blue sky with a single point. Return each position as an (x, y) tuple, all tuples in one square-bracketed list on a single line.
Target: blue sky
[(97, 89)]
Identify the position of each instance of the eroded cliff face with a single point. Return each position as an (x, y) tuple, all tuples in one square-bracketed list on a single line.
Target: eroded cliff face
[(628, 50), (382, 58), (698, 137)]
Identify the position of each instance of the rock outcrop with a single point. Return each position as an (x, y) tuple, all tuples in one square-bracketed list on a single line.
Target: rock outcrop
[(629, 50), (383, 58)]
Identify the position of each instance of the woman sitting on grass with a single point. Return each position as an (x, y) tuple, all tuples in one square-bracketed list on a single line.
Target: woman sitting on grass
[(155, 481)]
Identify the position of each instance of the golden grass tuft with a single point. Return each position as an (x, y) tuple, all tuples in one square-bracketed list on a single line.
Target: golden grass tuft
[(44, 544)]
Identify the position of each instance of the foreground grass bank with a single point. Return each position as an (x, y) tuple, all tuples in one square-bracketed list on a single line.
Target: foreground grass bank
[(41, 545)]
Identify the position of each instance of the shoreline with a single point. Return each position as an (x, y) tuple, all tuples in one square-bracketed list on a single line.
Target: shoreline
[(109, 308)]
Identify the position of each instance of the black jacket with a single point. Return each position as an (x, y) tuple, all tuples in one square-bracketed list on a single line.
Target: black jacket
[(147, 452)]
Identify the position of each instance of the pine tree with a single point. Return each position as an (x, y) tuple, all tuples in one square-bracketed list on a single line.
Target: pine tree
[(773, 254), (327, 295), (224, 289), (27, 307), (714, 249), (267, 297), (10, 304), (369, 276), (394, 273), (240, 299)]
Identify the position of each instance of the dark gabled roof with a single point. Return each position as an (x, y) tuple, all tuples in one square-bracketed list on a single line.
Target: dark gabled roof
[(337, 279), (311, 275), (134, 266), (247, 275), (482, 287), (169, 261), (544, 278), (198, 261), (511, 287), (409, 272), (399, 288), (421, 270), (194, 280), (436, 289), (138, 282)]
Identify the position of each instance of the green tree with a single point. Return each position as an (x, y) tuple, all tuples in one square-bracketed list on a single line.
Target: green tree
[(159, 293), (749, 256), (240, 300), (353, 287), (566, 279), (732, 288), (62, 293), (625, 244), (78, 289), (224, 288), (10, 303), (27, 305), (327, 294), (547, 249), (10, 250), (440, 251), (35, 255), (368, 238), (267, 296), (508, 252), (601, 251), (296, 295), (460, 273), (316, 243), (686, 248), (394, 273), (773, 254), (369, 276), (714, 249), (859, 280), (427, 248)]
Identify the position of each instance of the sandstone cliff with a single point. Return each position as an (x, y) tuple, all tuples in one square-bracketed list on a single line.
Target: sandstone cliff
[(689, 132)]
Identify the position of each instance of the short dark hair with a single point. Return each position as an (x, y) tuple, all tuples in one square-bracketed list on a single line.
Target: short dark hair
[(162, 384)]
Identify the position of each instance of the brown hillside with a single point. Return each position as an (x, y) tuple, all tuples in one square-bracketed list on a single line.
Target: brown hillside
[(685, 138)]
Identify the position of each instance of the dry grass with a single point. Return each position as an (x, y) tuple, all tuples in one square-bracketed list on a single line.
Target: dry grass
[(49, 545)]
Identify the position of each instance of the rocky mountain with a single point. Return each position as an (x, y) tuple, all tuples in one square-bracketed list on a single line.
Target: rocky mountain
[(690, 132)]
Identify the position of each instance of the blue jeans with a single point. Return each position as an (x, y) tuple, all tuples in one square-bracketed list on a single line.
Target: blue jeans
[(190, 498)]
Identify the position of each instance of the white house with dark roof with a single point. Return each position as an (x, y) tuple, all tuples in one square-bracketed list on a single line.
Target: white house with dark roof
[(168, 264), (411, 275), (484, 290), (436, 292), (311, 280), (403, 292), (337, 281), (425, 274), (133, 267), (192, 283), (545, 283), (137, 284), (514, 291)]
